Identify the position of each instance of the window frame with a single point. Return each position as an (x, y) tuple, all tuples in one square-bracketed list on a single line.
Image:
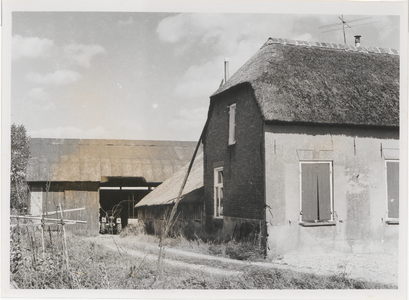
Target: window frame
[(318, 222), (217, 185), (389, 220), (232, 124)]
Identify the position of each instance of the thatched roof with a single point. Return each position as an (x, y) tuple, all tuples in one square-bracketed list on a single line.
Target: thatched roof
[(168, 191), (296, 81), (95, 160)]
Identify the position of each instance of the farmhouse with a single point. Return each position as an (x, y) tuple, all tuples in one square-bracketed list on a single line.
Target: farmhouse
[(96, 175), (304, 140), (301, 147)]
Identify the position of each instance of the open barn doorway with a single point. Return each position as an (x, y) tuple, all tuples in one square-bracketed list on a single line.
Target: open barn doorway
[(117, 198)]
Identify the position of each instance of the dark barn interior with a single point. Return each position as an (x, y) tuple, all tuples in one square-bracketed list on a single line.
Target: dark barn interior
[(118, 196)]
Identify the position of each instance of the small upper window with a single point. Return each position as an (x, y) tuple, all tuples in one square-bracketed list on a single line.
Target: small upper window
[(232, 124), (392, 185)]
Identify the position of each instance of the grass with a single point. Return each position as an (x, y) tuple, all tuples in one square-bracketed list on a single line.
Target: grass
[(93, 266), (228, 249)]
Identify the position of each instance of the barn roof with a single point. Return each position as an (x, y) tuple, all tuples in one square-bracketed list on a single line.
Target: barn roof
[(297, 81), (95, 160), (167, 192)]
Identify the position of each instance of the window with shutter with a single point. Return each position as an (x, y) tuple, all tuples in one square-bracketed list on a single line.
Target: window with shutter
[(392, 184), (316, 192), (232, 124)]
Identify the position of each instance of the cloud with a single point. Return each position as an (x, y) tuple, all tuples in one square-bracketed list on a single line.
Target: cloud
[(197, 83), (303, 37), (125, 22), (71, 132), (236, 36), (171, 29), (82, 54), (217, 32), (29, 46), (155, 105), (190, 119), (59, 77), (194, 29), (128, 129), (125, 129), (40, 100), (48, 107), (38, 93), (202, 80)]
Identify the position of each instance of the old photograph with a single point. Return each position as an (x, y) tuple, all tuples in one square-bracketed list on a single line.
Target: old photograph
[(213, 145)]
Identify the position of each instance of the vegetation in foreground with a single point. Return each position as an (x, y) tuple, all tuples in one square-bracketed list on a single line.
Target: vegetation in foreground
[(248, 250), (92, 266)]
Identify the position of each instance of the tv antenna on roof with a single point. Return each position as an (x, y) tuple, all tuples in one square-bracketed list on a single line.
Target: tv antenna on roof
[(345, 25)]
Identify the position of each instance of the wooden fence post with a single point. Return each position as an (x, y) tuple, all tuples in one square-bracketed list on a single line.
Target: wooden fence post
[(65, 240)]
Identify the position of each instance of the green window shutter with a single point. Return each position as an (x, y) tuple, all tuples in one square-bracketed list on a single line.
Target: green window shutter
[(392, 172), (316, 192), (232, 124), (309, 192), (324, 192)]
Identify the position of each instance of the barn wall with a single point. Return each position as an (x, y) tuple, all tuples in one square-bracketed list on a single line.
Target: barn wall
[(73, 195), (242, 162), (189, 219), (359, 188)]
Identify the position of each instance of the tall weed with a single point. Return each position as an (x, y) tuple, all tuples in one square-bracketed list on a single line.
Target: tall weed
[(133, 230), (93, 266)]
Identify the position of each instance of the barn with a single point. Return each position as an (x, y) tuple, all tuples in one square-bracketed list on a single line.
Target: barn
[(302, 144), (156, 206), (89, 177)]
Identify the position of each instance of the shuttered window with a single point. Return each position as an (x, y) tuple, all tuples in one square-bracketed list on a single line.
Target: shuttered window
[(316, 192), (218, 192), (232, 124), (392, 178)]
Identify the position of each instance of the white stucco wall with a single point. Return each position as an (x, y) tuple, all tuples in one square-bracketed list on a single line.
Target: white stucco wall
[(359, 191)]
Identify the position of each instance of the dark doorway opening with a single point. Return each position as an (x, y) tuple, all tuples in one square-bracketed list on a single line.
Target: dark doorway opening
[(119, 195), (121, 203)]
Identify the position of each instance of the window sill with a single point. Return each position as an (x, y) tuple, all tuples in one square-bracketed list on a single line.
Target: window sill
[(392, 221), (314, 224)]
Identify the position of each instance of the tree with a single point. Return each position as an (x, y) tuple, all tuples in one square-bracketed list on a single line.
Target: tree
[(20, 152)]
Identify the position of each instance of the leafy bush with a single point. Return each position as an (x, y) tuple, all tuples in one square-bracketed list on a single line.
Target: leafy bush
[(217, 249), (133, 230), (244, 251), (20, 152)]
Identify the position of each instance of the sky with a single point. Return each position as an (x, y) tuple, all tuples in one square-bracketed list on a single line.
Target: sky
[(146, 75)]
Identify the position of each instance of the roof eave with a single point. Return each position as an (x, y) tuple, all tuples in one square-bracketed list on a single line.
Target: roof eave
[(351, 125)]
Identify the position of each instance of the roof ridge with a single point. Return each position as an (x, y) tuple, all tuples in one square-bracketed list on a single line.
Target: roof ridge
[(330, 46), (104, 141)]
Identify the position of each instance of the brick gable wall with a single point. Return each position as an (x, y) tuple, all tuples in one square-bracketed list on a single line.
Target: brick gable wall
[(242, 163)]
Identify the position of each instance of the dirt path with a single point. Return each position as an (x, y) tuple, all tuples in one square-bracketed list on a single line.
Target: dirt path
[(381, 268), (370, 267), (153, 256)]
